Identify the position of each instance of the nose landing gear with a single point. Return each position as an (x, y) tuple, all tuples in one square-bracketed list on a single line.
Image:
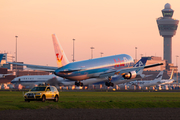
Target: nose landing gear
[(109, 83), (78, 83)]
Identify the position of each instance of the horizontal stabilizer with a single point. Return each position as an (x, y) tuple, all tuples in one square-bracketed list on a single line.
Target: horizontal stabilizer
[(153, 65)]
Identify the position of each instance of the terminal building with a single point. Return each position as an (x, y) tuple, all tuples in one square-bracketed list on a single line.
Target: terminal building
[(15, 70), (166, 67)]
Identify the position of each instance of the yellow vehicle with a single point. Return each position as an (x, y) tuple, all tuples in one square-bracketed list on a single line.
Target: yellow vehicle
[(42, 93)]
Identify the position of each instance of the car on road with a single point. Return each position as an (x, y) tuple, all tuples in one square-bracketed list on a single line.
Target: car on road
[(42, 93)]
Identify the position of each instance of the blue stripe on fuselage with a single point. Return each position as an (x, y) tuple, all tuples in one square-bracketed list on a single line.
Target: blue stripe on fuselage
[(34, 81)]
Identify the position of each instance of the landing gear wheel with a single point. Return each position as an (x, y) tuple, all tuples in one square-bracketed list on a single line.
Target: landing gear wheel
[(109, 84), (78, 84), (81, 84)]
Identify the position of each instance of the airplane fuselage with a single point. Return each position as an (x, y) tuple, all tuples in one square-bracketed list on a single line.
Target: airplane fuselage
[(94, 67), (32, 79)]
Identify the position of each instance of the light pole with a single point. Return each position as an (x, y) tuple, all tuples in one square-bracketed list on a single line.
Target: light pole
[(73, 50), (101, 53), (16, 47), (135, 53), (92, 52), (177, 67), (16, 54)]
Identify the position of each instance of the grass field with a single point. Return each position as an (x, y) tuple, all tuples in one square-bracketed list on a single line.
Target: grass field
[(15, 100)]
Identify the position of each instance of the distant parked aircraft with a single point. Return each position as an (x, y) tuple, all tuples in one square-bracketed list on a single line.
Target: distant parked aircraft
[(148, 83)]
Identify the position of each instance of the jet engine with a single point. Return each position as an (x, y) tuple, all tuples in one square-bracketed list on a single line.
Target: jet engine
[(129, 75)]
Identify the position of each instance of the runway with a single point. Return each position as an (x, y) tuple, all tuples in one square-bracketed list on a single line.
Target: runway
[(92, 114)]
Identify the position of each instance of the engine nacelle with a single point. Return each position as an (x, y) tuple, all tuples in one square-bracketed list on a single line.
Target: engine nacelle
[(130, 75)]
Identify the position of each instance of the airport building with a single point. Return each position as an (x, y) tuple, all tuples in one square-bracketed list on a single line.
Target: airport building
[(166, 66), (7, 57), (167, 28), (15, 70)]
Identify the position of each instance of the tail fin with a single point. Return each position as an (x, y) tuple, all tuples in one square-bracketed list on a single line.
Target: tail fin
[(172, 73), (59, 52), (1, 56), (141, 62), (159, 76)]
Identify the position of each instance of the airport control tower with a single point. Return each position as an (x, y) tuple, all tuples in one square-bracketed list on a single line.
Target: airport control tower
[(167, 29)]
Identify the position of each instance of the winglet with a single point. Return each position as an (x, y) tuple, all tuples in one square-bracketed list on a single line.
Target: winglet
[(59, 52), (172, 73)]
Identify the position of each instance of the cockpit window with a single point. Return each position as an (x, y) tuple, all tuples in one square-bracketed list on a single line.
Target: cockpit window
[(38, 89)]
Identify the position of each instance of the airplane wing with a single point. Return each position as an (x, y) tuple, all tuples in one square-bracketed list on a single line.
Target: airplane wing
[(136, 68), (126, 70), (36, 67)]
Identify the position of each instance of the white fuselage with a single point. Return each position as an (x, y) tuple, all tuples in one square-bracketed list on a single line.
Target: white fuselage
[(32, 79), (148, 83)]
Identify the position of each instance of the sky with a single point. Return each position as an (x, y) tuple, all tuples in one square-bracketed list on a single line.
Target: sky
[(110, 26)]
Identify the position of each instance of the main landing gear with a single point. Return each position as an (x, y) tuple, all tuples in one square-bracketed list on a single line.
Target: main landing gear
[(78, 83), (109, 83)]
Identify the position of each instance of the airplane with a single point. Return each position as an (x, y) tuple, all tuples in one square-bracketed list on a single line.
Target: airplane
[(55, 80), (117, 79), (103, 67), (157, 81), (32, 79), (170, 81), (3, 75)]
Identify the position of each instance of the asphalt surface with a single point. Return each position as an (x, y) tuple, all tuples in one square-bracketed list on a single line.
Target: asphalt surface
[(92, 114)]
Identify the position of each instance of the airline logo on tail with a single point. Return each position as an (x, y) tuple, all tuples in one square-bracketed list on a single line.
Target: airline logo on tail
[(141, 62), (59, 60), (60, 55)]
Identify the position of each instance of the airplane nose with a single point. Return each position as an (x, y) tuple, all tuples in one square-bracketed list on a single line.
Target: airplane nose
[(56, 72)]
